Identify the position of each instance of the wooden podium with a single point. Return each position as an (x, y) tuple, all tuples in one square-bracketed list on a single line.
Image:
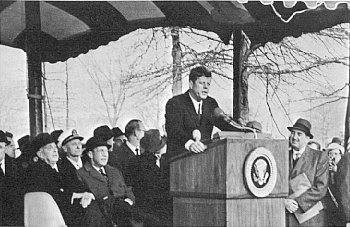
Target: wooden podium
[(210, 189)]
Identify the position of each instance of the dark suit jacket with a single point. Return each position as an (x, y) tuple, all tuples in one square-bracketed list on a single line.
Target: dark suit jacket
[(120, 158), (103, 190), (46, 179), (181, 119), (343, 184), (150, 185), (314, 164), (11, 200)]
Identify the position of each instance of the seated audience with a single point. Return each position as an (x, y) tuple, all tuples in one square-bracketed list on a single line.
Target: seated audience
[(150, 181), (114, 204), (47, 176), (10, 200), (70, 143)]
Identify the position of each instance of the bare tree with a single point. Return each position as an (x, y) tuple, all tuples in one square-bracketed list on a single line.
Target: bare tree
[(111, 83)]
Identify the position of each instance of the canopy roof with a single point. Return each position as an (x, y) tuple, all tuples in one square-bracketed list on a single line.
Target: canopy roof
[(70, 28)]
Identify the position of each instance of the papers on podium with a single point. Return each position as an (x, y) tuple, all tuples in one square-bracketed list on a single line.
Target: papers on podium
[(299, 185)]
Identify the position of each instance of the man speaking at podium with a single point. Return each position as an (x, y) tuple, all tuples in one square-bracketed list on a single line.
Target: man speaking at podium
[(190, 117)]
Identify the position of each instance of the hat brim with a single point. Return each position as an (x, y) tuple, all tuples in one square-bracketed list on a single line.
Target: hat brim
[(119, 134), (301, 129), (98, 145), (73, 138), (161, 145)]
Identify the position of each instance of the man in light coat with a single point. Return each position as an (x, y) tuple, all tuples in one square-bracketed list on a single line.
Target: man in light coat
[(305, 161)]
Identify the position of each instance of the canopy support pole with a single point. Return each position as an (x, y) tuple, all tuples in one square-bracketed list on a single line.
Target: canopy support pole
[(33, 50), (240, 77)]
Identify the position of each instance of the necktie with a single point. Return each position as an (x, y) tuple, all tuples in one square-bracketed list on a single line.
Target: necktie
[(103, 173), (199, 111), (2, 174), (297, 156), (137, 151)]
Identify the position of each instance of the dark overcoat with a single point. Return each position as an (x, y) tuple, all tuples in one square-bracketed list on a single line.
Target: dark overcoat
[(11, 198), (43, 178), (120, 158)]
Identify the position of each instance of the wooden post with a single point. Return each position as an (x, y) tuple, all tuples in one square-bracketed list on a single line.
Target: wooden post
[(240, 77), (33, 50)]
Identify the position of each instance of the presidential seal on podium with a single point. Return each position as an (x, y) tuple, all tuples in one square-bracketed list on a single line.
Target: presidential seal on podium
[(260, 172)]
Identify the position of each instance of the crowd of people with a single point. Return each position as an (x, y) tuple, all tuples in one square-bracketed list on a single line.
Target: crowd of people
[(114, 179), (121, 178)]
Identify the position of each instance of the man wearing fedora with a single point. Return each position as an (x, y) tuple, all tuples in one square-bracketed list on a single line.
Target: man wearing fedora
[(150, 181), (106, 134), (119, 138), (47, 176), (308, 167), (10, 201), (114, 200)]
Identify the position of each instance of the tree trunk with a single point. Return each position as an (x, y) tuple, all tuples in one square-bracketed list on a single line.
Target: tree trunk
[(240, 77), (177, 57), (347, 117)]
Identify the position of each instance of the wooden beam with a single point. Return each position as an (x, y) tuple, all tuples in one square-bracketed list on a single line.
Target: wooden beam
[(33, 50)]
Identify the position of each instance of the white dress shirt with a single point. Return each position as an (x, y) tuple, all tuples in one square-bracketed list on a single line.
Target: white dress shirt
[(55, 168), (133, 148), (78, 164), (198, 106), (297, 154), (3, 165)]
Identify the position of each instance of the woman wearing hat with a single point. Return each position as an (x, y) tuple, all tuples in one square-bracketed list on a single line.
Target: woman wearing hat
[(150, 180), (335, 152)]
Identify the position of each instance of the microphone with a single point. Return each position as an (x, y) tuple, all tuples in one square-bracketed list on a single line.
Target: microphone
[(219, 113), (196, 135)]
